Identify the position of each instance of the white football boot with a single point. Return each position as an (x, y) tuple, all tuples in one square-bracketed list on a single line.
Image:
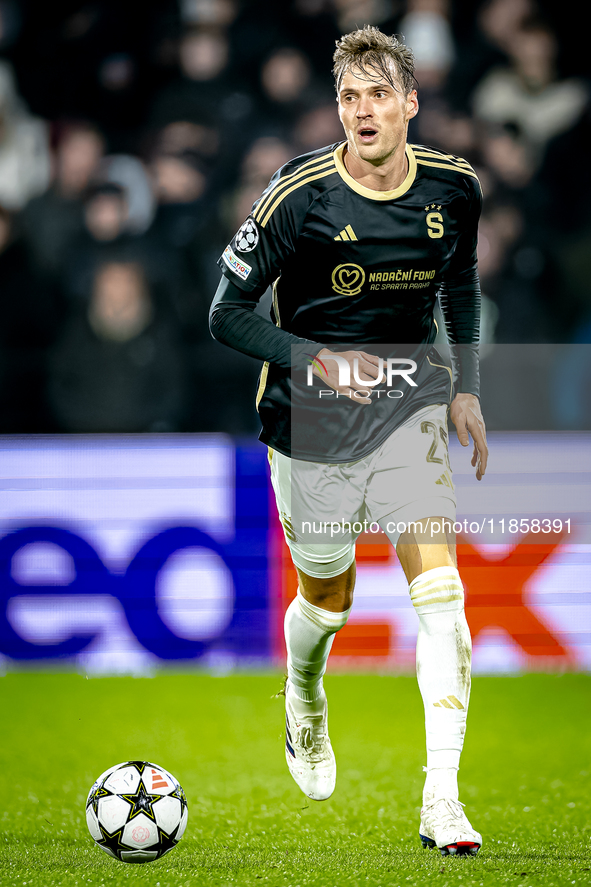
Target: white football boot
[(445, 825), (308, 751)]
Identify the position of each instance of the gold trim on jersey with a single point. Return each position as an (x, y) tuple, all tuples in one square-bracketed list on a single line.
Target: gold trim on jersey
[(285, 180), (455, 164), (439, 155), (442, 366), (468, 172), (262, 384), (312, 178), (275, 303), (312, 170), (368, 192)]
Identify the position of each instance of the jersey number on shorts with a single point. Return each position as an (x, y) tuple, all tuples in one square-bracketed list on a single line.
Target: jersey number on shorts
[(437, 432)]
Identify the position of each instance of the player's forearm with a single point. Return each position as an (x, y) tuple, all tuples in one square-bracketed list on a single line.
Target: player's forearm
[(234, 323), (460, 304)]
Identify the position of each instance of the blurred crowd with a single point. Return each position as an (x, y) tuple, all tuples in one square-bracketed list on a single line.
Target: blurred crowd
[(134, 140)]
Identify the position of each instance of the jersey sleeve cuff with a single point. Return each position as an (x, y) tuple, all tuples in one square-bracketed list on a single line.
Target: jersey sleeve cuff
[(466, 369)]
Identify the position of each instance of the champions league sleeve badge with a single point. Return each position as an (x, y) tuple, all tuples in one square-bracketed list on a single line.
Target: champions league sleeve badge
[(247, 237)]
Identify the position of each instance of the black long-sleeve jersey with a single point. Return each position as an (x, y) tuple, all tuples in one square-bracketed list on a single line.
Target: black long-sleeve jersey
[(353, 269)]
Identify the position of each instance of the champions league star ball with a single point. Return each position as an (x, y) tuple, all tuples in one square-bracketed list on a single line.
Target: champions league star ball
[(136, 811), (247, 237)]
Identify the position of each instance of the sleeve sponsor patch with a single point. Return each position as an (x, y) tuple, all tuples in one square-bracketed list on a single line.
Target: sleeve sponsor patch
[(235, 264)]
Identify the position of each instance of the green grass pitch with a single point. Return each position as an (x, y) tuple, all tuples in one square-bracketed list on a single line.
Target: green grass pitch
[(524, 778)]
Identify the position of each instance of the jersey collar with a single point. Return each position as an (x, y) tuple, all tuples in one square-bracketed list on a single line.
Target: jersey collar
[(368, 192)]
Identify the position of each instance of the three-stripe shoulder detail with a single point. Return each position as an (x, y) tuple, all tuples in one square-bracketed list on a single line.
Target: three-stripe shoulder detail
[(430, 157), (318, 168)]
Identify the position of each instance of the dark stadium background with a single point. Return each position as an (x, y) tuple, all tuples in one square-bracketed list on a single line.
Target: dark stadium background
[(133, 140)]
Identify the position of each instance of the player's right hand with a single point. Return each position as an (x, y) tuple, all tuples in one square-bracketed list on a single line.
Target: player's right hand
[(466, 415), (362, 367)]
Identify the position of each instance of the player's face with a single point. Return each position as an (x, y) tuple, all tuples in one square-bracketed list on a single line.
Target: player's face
[(374, 115)]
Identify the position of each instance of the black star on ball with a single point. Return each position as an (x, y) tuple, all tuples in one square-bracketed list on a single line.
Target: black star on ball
[(98, 793), (167, 842), (112, 840), (141, 802), (179, 793)]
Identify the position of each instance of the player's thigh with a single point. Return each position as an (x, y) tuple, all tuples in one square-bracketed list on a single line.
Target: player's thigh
[(411, 493), (410, 475), (319, 503), (323, 555)]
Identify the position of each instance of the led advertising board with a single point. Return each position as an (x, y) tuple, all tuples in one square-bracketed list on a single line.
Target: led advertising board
[(119, 554)]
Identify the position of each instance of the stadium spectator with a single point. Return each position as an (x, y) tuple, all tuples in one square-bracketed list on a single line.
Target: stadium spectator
[(508, 158), (264, 156), (285, 81), (31, 319), (55, 218), (204, 94), (118, 210), (197, 94), (510, 265), (118, 366), (24, 147), (319, 124), (220, 13), (179, 236), (180, 183), (351, 13), (528, 95), (102, 236), (427, 30), (485, 45)]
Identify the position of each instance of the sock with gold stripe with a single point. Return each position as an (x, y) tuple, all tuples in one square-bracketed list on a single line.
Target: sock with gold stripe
[(309, 633), (443, 671)]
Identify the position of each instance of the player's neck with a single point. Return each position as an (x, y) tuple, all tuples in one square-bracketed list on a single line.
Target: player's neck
[(385, 176)]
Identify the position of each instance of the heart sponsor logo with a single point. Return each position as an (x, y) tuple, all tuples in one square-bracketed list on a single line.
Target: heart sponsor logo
[(348, 279)]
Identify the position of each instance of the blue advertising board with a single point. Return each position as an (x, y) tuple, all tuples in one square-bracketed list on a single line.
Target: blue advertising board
[(162, 541)]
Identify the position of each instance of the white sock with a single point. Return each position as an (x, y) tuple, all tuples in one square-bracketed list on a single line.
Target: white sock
[(443, 670), (309, 633)]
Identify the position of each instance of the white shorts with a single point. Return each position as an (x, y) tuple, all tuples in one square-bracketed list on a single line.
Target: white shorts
[(324, 507)]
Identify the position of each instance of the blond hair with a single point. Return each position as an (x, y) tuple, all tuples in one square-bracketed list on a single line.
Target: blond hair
[(372, 52)]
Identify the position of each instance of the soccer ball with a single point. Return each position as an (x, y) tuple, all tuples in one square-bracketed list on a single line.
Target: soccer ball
[(136, 811)]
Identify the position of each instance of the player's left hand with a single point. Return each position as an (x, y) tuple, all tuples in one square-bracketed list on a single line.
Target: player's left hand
[(466, 415)]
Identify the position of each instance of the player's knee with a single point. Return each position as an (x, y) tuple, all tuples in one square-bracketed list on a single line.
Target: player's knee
[(329, 621), (333, 593)]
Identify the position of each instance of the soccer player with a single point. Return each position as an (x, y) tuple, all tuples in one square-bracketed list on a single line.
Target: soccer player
[(358, 240)]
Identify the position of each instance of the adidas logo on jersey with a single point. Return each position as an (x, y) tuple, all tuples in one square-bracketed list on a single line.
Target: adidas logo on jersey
[(346, 234)]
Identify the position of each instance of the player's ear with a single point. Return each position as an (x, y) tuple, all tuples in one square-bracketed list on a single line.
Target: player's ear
[(412, 105)]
